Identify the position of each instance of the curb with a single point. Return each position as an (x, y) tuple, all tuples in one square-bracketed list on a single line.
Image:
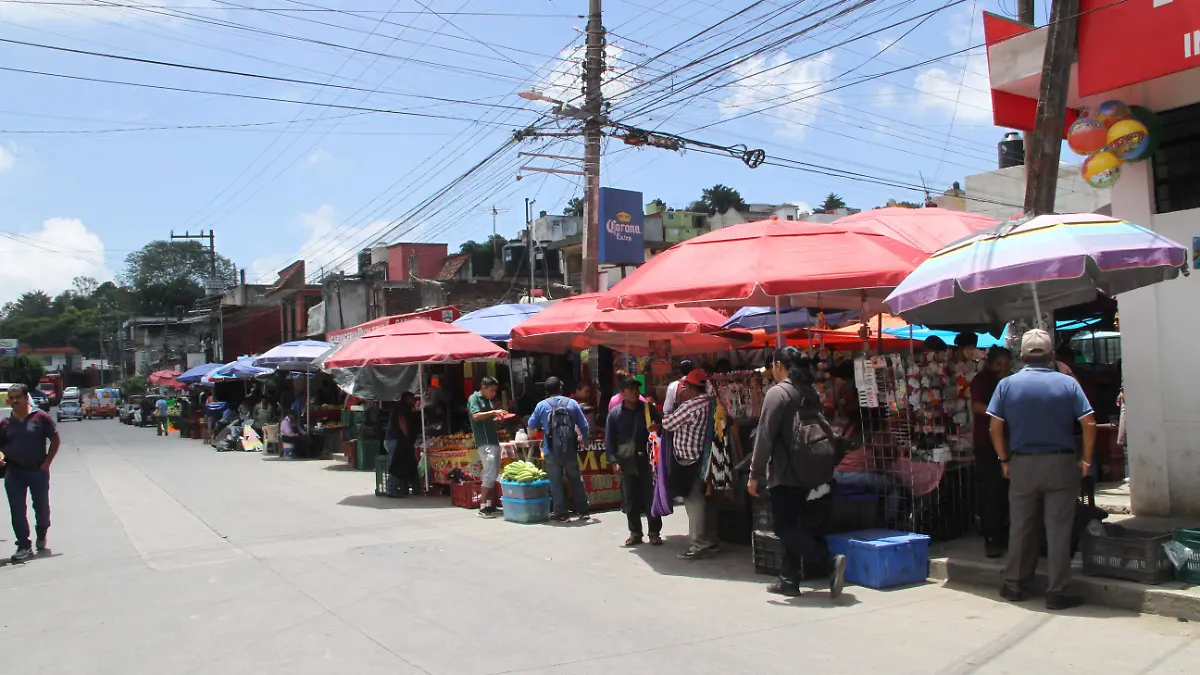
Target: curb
[(1169, 600)]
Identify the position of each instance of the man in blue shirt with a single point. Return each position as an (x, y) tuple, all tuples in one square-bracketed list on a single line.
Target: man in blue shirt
[(560, 417), (160, 416), (1038, 407)]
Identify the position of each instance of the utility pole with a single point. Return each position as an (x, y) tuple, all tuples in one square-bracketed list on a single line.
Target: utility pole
[(1025, 12), (212, 254), (1042, 163), (529, 245), (593, 106)]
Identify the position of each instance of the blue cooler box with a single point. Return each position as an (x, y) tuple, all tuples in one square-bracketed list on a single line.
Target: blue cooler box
[(525, 510), (538, 489), (882, 558)]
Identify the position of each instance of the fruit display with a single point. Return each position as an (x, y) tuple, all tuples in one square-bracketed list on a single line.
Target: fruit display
[(523, 472)]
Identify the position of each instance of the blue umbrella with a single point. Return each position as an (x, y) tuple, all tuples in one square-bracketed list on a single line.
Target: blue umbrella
[(241, 369), (791, 318), (297, 355), (193, 375), (496, 323)]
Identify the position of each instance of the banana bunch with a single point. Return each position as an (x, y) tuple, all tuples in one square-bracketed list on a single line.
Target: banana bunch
[(523, 472)]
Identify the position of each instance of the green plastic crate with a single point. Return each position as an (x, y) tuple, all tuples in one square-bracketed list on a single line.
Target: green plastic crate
[(1190, 572), (367, 454)]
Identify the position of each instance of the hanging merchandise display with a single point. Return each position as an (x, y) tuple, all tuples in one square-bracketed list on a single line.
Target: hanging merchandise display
[(1102, 169), (1111, 112), (1116, 135), (1128, 140), (1087, 135)]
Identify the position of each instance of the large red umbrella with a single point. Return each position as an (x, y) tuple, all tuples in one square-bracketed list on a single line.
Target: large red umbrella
[(772, 262), (379, 361), (164, 378), (928, 230), (578, 323), (413, 342)]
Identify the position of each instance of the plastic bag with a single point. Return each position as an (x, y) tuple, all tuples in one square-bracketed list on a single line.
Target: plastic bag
[(1179, 553)]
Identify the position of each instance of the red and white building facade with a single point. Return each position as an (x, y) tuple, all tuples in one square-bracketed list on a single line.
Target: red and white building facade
[(1141, 52)]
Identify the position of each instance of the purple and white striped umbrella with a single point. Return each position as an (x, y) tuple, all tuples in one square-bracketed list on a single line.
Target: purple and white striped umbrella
[(1022, 268)]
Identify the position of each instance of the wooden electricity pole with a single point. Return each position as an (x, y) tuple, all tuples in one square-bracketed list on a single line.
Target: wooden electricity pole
[(1042, 153), (593, 106), (1025, 12)]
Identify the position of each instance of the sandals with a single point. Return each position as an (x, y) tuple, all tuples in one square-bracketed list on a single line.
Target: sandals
[(656, 540), (633, 541)]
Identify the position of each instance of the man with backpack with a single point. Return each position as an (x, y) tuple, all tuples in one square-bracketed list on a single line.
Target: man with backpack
[(560, 417), (797, 452)]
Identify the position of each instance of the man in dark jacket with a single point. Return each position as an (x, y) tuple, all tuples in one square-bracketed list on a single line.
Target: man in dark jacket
[(799, 506), (626, 436)]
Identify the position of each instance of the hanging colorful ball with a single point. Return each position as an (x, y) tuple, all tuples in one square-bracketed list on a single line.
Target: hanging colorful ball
[(1102, 169), (1087, 135), (1128, 139), (1153, 130), (1111, 112)]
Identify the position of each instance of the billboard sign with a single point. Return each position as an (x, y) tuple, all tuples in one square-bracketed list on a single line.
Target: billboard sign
[(1133, 41), (8, 346), (621, 240)]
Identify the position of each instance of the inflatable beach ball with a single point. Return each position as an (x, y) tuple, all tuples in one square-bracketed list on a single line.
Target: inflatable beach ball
[(1102, 169), (1128, 139), (1111, 112), (1087, 135)]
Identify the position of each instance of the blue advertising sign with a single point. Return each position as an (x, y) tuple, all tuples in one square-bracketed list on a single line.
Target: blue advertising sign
[(8, 347), (621, 240)]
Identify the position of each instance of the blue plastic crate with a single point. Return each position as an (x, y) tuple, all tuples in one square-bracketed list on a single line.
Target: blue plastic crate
[(526, 510), (538, 489), (882, 558)]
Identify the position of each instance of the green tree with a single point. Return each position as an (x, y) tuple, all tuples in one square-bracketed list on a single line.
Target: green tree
[(27, 370), (719, 199), (483, 254), (134, 385), (162, 261), (574, 207), (832, 203)]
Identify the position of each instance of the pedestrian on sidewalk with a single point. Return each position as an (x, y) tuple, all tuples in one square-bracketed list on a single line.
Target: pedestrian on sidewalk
[(561, 417), (797, 453), (626, 441), (399, 440), (989, 475), (484, 415), (160, 416), (689, 424), (24, 435), (1038, 408)]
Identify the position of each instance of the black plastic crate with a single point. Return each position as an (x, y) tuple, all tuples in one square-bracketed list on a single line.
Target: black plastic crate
[(1127, 554), (767, 552)]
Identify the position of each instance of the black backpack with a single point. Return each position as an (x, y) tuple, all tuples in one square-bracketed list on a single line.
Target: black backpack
[(560, 430), (816, 449)]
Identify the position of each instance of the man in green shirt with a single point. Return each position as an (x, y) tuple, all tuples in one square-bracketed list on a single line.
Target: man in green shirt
[(484, 413)]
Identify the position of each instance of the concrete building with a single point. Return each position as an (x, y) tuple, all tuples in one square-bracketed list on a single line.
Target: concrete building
[(1158, 323), (754, 212), (1001, 193)]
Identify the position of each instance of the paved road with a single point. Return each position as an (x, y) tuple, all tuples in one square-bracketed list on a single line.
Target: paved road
[(171, 559)]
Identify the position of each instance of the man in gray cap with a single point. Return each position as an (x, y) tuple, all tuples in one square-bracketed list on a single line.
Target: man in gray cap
[(1038, 408)]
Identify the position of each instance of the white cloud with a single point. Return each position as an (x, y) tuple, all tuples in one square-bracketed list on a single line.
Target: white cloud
[(800, 83), (886, 96), (960, 89), (49, 258), (317, 156), (329, 245), (7, 159), (565, 78), (801, 206)]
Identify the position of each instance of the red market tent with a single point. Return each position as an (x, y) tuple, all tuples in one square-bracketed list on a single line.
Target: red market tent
[(164, 378), (772, 262), (578, 322), (928, 229)]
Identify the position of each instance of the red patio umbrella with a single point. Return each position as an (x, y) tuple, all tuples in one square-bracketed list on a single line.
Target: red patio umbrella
[(377, 356), (928, 230), (578, 323), (164, 378), (772, 262)]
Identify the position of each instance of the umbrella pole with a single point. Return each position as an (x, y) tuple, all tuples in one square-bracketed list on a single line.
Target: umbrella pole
[(512, 384), (808, 329), (424, 438), (778, 325), (1037, 307), (879, 336)]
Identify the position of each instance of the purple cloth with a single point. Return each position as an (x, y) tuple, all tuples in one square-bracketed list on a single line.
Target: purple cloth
[(661, 506)]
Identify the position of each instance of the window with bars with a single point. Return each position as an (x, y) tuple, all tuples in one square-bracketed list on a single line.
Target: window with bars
[(1176, 164)]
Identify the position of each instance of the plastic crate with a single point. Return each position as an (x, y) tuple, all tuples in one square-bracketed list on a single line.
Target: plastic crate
[(538, 489), (367, 455), (1127, 554), (883, 558), (1190, 572), (526, 510), (767, 553)]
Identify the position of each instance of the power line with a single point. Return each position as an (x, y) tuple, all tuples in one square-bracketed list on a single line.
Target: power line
[(210, 8)]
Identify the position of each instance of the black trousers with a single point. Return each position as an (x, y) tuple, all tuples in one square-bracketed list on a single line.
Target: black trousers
[(637, 491), (800, 525), (993, 496)]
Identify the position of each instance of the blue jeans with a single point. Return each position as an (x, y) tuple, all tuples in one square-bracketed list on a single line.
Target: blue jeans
[(555, 465), (17, 481)]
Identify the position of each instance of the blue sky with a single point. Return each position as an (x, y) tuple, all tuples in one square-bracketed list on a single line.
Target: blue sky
[(321, 181)]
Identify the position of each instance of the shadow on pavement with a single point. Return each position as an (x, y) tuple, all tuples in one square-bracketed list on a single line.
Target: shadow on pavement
[(732, 563), (372, 501), (1037, 603)]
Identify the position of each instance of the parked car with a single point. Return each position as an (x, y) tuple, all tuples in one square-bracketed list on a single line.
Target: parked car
[(70, 409), (71, 392), (129, 409)]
